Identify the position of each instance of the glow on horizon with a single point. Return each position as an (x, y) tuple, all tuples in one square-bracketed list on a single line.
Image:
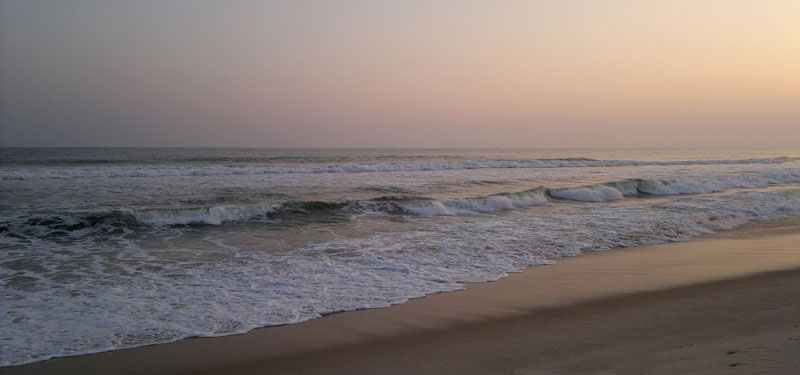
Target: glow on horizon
[(400, 74)]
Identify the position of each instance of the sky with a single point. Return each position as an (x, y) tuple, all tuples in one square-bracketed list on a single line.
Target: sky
[(458, 73)]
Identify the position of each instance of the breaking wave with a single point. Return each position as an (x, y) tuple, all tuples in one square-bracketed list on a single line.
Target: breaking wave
[(409, 205), (236, 291)]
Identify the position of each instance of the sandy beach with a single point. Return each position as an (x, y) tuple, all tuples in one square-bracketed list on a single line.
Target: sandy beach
[(726, 302)]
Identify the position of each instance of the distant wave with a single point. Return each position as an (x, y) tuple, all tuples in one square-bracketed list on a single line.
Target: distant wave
[(409, 205), (161, 159), (159, 170)]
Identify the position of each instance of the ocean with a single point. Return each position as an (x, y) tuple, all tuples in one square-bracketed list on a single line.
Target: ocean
[(104, 248)]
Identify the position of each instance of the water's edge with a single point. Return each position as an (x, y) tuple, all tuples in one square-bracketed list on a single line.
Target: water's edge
[(761, 224)]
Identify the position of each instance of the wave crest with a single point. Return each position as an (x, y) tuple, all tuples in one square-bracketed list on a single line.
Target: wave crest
[(385, 205)]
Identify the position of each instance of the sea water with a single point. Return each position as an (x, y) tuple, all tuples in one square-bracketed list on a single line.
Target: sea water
[(103, 249)]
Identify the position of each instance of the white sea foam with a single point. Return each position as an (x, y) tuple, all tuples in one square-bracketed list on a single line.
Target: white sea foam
[(122, 294)]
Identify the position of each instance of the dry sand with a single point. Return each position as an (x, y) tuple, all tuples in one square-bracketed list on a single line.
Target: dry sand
[(725, 303)]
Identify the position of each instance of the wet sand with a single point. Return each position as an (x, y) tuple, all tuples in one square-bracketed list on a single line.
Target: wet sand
[(728, 302)]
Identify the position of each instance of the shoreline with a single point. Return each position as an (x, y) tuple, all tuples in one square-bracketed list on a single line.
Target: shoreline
[(745, 257)]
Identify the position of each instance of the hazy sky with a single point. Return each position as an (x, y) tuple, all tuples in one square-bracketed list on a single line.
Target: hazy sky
[(377, 73)]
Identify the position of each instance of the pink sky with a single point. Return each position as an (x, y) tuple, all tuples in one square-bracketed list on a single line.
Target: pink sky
[(405, 74)]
